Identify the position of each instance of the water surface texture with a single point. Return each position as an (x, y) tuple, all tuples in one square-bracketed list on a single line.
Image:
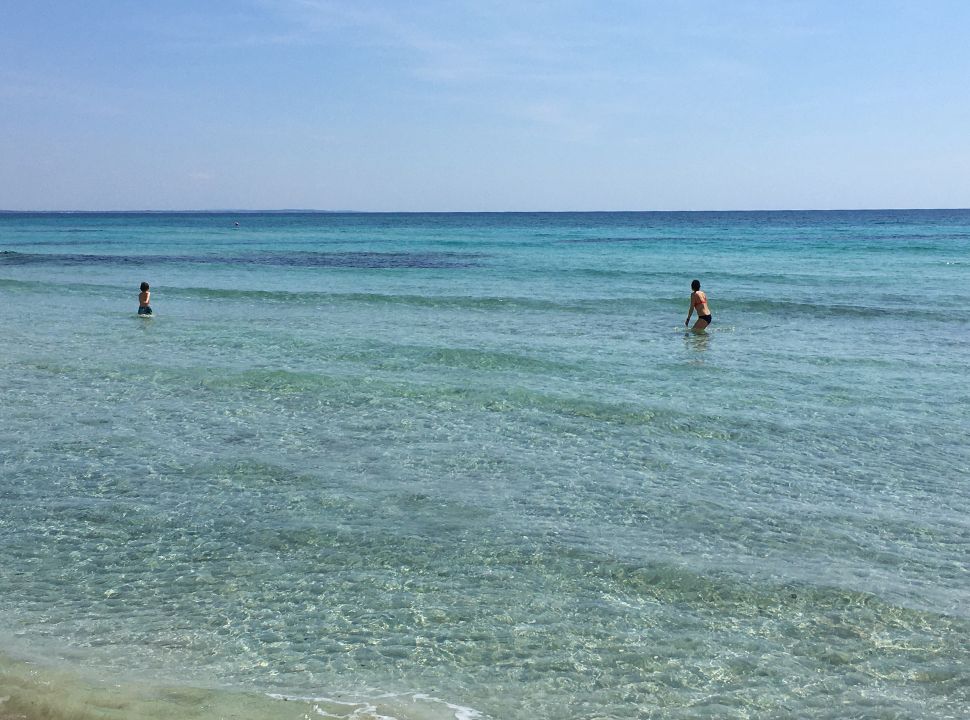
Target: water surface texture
[(461, 466)]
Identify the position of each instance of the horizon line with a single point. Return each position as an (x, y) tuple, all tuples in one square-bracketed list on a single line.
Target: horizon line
[(310, 211)]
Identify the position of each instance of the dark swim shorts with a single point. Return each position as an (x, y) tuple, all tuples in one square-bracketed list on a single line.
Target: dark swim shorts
[(706, 318), (145, 310)]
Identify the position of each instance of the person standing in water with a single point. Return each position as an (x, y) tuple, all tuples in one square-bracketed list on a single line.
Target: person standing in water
[(698, 302), (143, 299)]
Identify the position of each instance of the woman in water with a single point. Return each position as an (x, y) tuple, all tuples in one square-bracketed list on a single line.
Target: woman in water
[(698, 302)]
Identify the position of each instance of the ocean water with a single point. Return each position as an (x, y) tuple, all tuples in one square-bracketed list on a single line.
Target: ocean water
[(472, 466)]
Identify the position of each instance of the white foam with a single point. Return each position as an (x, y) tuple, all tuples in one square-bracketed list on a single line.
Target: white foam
[(368, 709), (461, 712)]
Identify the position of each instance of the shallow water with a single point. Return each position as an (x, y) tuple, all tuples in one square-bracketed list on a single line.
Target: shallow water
[(462, 464)]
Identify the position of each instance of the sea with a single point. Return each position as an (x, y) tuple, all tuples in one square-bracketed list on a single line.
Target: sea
[(475, 467)]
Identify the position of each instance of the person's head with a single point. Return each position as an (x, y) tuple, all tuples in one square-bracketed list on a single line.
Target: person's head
[(695, 285), (144, 287)]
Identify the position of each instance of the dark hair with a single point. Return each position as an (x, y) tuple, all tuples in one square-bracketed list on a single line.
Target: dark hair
[(144, 287), (695, 285)]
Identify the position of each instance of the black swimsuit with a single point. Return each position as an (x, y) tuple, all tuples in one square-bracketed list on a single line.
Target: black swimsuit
[(697, 305)]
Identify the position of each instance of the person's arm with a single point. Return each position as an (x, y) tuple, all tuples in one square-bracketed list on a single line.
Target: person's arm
[(690, 310)]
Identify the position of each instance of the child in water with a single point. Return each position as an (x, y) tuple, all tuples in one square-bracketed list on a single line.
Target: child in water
[(143, 297)]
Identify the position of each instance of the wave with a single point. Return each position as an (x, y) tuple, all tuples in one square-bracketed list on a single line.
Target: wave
[(11, 284), (739, 308), (359, 260), (592, 306), (735, 309), (879, 242), (599, 240), (458, 302), (887, 305)]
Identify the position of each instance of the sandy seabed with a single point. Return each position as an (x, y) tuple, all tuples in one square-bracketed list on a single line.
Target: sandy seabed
[(30, 691)]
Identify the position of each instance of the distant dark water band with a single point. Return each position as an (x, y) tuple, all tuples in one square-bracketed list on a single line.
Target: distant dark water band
[(366, 260)]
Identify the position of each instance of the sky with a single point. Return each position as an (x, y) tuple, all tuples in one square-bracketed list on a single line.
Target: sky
[(428, 105)]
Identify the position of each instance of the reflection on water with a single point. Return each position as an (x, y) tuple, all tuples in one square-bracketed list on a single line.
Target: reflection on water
[(696, 341)]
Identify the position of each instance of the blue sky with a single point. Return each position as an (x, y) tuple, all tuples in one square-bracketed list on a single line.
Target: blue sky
[(460, 105)]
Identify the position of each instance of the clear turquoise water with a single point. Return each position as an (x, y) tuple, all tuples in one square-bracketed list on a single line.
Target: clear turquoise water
[(475, 458)]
